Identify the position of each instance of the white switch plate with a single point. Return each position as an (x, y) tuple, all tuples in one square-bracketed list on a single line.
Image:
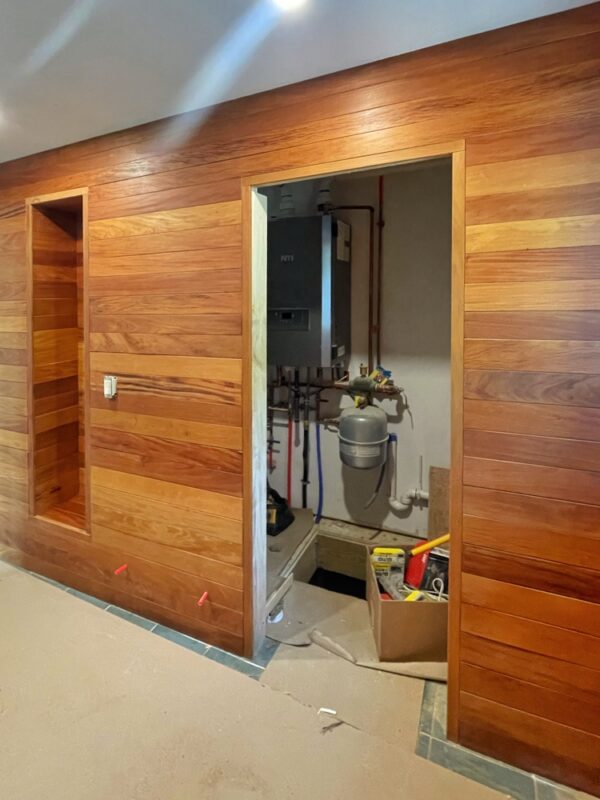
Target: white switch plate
[(110, 386)]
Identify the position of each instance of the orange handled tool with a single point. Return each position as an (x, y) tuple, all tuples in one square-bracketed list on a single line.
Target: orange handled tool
[(423, 548)]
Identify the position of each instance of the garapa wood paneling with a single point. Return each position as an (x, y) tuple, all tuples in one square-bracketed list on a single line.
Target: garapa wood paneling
[(165, 305)]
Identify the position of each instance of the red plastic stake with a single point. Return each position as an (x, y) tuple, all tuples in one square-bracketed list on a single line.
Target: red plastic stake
[(203, 599), (121, 569)]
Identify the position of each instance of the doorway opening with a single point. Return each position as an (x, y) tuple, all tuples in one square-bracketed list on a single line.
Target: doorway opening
[(58, 360), (356, 284)]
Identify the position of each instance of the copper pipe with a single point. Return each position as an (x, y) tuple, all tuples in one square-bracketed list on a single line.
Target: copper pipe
[(380, 227)]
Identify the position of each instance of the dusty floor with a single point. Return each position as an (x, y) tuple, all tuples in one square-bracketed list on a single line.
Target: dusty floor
[(94, 707)]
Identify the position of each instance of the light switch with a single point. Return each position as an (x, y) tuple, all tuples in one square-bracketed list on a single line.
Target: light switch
[(110, 386)]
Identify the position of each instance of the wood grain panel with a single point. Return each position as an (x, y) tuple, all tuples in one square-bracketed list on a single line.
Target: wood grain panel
[(526, 355), (180, 219), (534, 296), (182, 197), (534, 233), (76, 577), (560, 582), (561, 201), (530, 698), (159, 324), (491, 727), (226, 257), (565, 546), (166, 317), (559, 517), (214, 435), (183, 398), (543, 172), (184, 528), (566, 325), (57, 334), (149, 460), (533, 419), (535, 637), (561, 484), (170, 242), (217, 280), (543, 450), (181, 559), (167, 344), (534, 140), (570, 680), (533, 387), (186, 497), (224, 369), (198, 303)]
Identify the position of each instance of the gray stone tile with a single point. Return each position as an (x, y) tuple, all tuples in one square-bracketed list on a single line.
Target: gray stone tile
[(547, 790), (482, 769), (265, 652), (429, 696), (239, 664), (142, 622), (95, 601), (48, 580), (181, 639), (440, 711), (423, 745)]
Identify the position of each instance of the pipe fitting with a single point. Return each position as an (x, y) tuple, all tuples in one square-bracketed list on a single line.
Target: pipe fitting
[(408, 499)]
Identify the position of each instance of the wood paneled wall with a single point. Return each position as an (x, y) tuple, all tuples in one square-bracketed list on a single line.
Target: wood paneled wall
[(165, 307), (56, 338)]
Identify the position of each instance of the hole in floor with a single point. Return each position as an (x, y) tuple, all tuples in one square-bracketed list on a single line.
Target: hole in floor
[(336, 582)]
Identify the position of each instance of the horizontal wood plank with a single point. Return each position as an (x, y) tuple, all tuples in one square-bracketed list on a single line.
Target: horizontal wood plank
[(525, 695), (535, 637), (529, 355), (565, 325), (556, 594), (575, 231), (541, 481), (214, 435), (533, 387), (534, 296), (205, 345), (550, 451)]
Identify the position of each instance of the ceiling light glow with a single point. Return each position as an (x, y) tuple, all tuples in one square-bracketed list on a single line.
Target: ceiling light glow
[(289, 5)]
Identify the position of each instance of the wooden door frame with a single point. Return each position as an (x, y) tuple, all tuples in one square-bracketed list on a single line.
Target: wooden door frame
[(253, 370), (30, 202)]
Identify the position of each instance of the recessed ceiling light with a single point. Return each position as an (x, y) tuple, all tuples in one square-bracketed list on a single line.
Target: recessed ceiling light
[(289, 5)]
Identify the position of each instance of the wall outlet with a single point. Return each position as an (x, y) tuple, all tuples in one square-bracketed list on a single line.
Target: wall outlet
[(110, 386)]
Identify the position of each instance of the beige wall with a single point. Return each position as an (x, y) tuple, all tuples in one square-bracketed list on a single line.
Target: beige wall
[(415, 342)]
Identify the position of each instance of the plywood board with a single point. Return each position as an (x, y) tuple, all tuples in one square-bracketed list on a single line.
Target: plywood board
[(340, 625), (439, 501), (133, 715)]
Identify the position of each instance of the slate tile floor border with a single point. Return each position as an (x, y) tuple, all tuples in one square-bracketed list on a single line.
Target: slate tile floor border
[(433, 745), (253, 668)]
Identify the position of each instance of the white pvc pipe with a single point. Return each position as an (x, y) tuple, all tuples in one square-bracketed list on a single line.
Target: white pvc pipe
[(408, 498)]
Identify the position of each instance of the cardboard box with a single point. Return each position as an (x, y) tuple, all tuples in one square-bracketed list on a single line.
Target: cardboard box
[(416, 631)]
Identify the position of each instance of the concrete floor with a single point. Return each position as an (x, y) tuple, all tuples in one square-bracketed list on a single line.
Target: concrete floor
[(94, 707)]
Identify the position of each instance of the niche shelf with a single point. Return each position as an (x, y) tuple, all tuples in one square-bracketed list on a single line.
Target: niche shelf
[(57, 389)]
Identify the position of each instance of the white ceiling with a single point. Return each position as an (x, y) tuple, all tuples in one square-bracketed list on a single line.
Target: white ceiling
[(71, 69)]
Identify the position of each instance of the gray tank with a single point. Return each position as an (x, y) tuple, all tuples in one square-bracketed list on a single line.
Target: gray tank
[(363, 437)]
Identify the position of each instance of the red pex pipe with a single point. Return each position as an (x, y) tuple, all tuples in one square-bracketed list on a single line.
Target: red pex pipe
[(289, 460)]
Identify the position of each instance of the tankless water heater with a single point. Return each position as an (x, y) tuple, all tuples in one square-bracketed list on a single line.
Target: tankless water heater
[(308, 292)]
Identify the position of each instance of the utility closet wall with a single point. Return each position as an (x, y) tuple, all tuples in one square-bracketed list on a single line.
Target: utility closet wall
[(415, 341), (169, 312)]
